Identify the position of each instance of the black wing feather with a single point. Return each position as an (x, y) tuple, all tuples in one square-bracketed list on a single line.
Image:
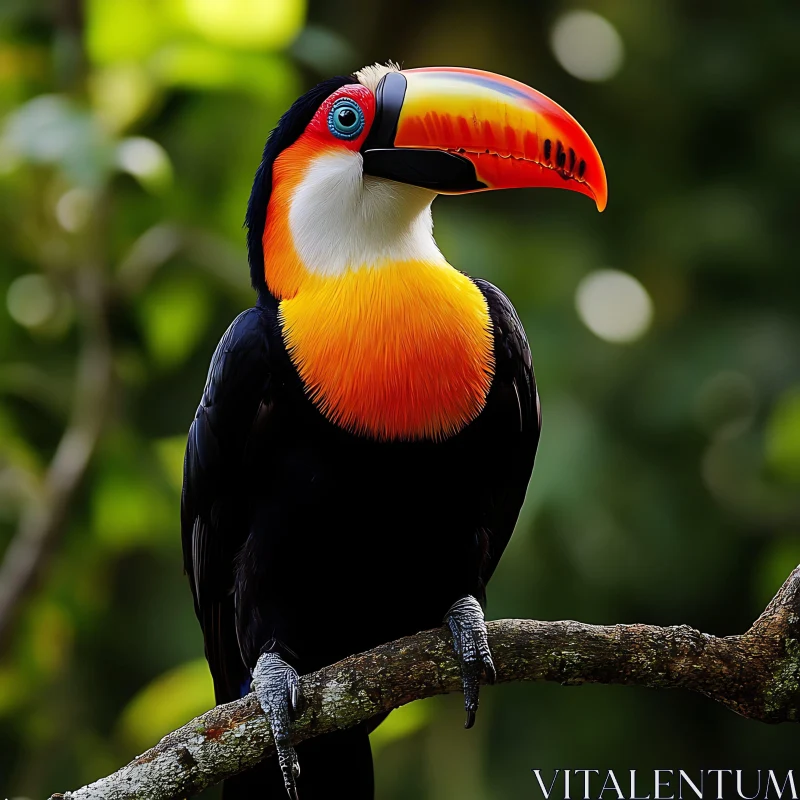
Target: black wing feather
[(514, 421), (214, 510)]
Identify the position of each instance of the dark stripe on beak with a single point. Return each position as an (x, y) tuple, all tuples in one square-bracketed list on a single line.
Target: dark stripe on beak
[(389, 96)]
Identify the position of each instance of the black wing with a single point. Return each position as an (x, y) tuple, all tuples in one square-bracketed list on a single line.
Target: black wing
[(214, 502), (514, 422)]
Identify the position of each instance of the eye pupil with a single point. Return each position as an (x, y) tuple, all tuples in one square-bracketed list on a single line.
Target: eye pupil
[(347, 118)]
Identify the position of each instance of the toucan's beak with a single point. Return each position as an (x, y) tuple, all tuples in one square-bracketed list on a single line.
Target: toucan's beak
[(458, 130)]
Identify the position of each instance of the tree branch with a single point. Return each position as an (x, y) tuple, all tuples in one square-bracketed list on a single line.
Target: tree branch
[(756, 674), (44, 519)]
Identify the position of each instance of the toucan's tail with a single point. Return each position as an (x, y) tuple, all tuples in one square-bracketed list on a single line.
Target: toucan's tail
[(336, 765)]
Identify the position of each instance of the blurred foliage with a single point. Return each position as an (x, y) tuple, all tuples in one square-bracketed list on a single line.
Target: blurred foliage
[(666, 486)]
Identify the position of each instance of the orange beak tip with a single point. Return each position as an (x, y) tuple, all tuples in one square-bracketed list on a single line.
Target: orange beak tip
[(600, 191)]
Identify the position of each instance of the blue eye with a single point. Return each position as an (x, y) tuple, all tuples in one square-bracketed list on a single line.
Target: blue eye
[(346, 119)]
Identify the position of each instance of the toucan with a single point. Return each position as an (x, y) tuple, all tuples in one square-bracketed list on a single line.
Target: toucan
[(368, 429)]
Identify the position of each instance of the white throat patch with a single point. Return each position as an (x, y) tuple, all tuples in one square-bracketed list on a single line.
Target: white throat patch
[(341, 219)]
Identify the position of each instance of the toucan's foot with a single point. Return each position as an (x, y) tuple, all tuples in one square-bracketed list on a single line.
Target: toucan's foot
[(277, 687), (466, 623)]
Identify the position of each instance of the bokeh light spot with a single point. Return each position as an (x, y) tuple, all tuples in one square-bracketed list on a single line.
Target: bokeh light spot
[(31, 300), (146, 160), (247, 23), (121, 93), (73, 209), (587, 45), (614, 305)]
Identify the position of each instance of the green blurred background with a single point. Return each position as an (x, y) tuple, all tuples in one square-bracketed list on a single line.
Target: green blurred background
[(665, 334)]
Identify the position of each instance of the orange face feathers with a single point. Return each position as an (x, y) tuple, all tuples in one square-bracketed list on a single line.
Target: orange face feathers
[(284, 271)]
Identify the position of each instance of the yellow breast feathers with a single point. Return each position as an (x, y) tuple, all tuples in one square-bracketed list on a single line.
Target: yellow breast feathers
[(401, 352)]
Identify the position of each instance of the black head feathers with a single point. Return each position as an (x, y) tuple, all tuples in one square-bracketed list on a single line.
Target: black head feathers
[(289, 128)]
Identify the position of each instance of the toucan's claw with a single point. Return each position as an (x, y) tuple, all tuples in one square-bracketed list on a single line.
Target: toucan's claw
[(468, 626), (277, 687)]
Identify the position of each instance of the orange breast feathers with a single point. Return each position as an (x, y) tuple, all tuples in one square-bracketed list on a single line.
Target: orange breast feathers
[(394, 350), (403, 351)]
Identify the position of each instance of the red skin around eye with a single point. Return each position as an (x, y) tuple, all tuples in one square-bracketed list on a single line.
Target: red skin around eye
[(318, 127)]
